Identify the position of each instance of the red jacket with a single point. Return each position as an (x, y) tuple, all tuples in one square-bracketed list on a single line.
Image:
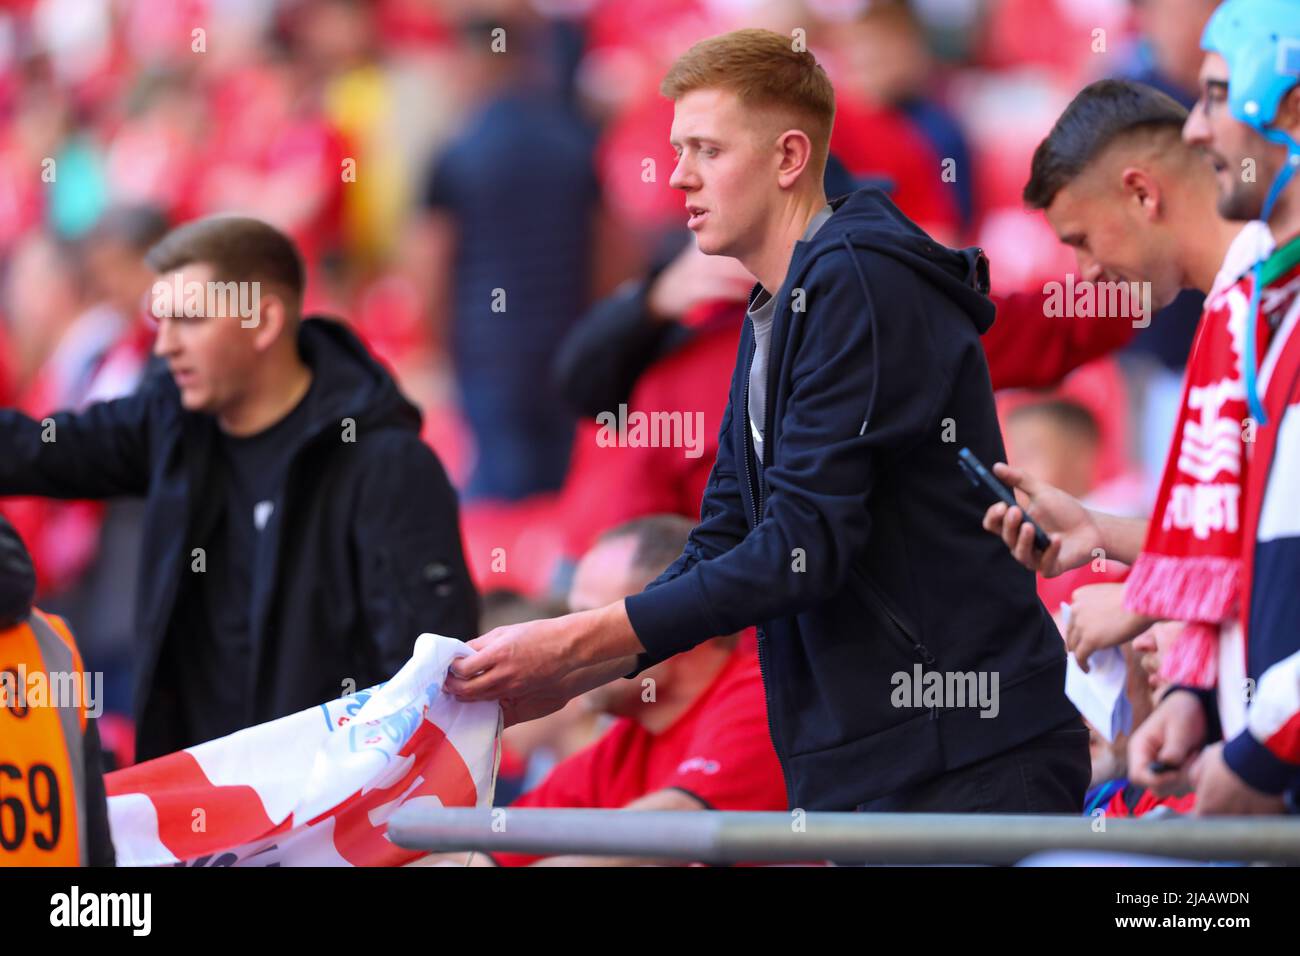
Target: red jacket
[(1026, 348)]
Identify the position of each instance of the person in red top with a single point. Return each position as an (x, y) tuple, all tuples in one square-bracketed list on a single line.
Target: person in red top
[(689, 734)]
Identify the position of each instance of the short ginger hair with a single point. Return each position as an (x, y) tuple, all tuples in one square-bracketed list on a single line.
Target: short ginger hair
[(764, 70)]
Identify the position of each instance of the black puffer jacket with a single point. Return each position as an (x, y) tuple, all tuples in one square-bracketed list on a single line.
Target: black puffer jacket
[(362, 552)]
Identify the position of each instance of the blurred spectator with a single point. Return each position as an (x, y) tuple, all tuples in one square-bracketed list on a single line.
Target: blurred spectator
[(512, 201), (156, 154), (1063, 37), (99, 596), (1168, 53), (78, 339), (689, 734), (321, 554), (61, 337), (1112, 793), (887, 61), (664, 344), (339, 43), (275, 155), (1056, 440), (1061, 437)]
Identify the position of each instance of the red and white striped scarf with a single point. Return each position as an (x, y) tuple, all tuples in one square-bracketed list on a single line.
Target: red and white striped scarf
[(1190, 568)]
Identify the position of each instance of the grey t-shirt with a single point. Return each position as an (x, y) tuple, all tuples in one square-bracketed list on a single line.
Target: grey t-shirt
[(760, 315)]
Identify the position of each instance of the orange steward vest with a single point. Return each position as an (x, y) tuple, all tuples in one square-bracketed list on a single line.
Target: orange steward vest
[(42, 764)]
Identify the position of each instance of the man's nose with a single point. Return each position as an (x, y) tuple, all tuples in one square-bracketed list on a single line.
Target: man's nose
[(1196, 131), (682, 177), (1090, 269), (164, 343)]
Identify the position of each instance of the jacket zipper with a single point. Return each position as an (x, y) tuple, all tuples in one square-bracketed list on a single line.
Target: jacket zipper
[(755, 499), (916, 647)]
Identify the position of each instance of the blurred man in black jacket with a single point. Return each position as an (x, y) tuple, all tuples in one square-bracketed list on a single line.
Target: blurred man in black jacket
[(298, 536)]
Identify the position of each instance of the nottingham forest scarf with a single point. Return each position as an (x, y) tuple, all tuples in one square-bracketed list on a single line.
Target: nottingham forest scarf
[(1190, 568)]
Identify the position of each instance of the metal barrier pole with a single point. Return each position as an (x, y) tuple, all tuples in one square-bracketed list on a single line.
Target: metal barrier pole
[(732, 837)]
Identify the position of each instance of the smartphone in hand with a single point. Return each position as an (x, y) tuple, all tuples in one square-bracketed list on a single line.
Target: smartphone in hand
[(981, 477)]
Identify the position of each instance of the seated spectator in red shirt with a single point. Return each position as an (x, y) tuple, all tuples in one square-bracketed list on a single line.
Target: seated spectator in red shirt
[(688, 734)]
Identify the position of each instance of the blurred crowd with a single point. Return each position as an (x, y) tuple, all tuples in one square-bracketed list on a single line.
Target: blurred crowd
[(480, 188)]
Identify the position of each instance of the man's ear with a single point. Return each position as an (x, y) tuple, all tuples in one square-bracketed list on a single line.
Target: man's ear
[(1142, 188), (272, 319), (796, 155)]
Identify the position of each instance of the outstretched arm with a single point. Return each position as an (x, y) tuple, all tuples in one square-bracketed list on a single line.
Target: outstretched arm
[(101, 452)]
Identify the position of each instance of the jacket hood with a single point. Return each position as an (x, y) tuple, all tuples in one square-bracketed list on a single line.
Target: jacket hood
[(867, 220), (349, 382), (17, 577)]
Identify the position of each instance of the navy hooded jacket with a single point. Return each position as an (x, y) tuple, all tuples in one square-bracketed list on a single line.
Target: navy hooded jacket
[(364, 547), (858, 548)]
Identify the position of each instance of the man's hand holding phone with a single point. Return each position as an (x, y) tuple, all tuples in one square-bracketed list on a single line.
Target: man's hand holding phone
[(1072, 530)]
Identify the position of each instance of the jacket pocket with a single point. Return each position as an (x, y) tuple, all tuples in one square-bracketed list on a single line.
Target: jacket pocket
[(892, 624)]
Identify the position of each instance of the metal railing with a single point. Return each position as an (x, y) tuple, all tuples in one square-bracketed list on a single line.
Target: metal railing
[(732, 837)]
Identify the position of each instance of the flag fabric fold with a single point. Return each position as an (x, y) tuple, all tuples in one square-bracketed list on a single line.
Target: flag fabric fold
[(315, 788)]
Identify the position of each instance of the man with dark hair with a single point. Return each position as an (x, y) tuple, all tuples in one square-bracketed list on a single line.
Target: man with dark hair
[(1138, 205), (298, 534), (1100, 114), (1166, 56), (1188, 562), (1247, 122), (836, 517), (1222, 552), (1122, 190)]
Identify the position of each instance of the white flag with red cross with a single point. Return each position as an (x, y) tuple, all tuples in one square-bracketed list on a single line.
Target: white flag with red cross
[(315, 788)]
